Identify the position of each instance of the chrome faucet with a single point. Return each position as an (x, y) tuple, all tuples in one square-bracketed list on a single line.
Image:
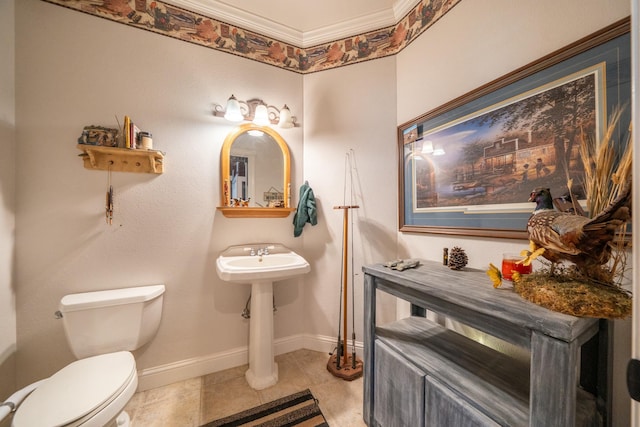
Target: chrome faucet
[(259, 251)]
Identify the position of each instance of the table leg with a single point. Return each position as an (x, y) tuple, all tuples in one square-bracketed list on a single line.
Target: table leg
[(554, 380), (368, 351)]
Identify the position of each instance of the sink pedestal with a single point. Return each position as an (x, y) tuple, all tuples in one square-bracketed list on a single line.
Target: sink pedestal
[(263, 370)]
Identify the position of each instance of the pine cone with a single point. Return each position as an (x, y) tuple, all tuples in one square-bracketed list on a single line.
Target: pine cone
[(457, 258)]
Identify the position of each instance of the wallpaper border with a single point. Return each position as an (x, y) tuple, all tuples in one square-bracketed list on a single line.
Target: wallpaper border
[(176, 22)]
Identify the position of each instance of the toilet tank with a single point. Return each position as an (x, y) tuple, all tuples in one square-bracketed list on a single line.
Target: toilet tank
[(113, 320)]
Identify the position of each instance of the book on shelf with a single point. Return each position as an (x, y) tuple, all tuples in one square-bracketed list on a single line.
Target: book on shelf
[(125, 131), (135, 132), (131, 132)]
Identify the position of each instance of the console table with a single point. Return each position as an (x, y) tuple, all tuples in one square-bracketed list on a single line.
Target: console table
[(418, 373)]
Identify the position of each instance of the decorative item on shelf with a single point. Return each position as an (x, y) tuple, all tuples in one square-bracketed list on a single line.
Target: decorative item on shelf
[(99, 136), (495, 275), (514, 266), (402, 264), (583, 258), (273, 197), (237, 203), (257, 111), (511, 263), (226, 197), (145, 141), (457, 258), (445, 256), (276, 204)]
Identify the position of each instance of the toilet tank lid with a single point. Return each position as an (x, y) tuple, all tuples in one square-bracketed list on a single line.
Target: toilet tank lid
[(86, 300)]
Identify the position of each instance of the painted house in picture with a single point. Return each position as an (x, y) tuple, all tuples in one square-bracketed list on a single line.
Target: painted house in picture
[(521, 159), (503, 171)]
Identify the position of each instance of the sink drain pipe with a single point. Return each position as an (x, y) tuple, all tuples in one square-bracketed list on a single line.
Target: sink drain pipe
[(246, 313)]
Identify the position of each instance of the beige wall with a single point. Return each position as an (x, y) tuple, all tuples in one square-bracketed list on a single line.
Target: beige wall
[(349, 108), (7, 199), (74, 70)]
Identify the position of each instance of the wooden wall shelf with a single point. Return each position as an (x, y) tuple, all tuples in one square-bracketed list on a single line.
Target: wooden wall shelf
[(255, 212), (122, 159)]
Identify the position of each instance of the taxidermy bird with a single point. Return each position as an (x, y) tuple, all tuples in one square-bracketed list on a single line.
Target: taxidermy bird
[(565, 236), (565, 203)]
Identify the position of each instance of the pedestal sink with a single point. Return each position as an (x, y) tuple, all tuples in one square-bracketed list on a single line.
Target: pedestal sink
[(260, 265)]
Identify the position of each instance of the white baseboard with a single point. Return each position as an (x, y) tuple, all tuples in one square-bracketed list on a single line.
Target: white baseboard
[(181, 370)]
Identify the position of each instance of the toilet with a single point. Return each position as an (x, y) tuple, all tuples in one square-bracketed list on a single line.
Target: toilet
[(102, 329)]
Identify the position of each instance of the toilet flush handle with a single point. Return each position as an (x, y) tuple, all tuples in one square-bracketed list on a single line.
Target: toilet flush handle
[(57, 314)]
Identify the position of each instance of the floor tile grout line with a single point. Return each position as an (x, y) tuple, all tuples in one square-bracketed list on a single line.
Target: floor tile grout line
[(303, 370)]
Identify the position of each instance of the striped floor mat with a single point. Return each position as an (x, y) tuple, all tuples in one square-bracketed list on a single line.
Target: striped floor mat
[(299, 409)]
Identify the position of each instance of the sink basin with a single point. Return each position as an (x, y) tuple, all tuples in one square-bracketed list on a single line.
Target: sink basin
[(237, 265)]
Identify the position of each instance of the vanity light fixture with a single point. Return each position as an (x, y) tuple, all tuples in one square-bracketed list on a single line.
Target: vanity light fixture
[(286, 119), (233, 111), (261, 116), (255, 110)]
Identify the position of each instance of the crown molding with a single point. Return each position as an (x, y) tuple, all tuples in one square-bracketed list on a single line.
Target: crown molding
[(267, 27), (402, 7), (352, 27), (234, 16)]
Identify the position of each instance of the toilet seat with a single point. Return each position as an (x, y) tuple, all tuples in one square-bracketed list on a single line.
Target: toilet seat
[(89, 391)]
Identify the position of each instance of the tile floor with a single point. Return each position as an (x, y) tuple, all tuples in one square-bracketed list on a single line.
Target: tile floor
[(197, 401)]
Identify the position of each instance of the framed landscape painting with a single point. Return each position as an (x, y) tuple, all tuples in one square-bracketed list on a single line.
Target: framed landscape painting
[(467, 167)]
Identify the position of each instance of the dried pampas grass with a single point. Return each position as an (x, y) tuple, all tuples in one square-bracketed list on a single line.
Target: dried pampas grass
[(608, 168)]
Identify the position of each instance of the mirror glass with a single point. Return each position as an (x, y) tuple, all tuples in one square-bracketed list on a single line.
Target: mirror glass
[(256, 171), (255, 166)]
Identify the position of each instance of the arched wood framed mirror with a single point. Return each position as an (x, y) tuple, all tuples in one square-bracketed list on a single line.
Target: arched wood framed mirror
[(255, 174)]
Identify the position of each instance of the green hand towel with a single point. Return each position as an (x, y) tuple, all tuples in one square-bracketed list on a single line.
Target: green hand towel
[(306, 211)]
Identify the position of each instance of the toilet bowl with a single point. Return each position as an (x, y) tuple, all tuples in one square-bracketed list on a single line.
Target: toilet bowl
[(102, 328), (88, 392)]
